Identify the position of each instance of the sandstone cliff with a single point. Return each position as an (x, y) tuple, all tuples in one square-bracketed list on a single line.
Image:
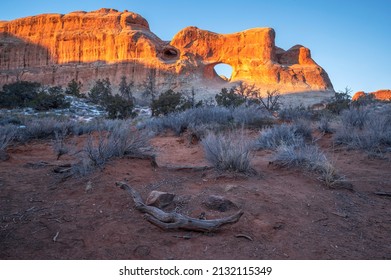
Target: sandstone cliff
[(383, 94), (86, 46)]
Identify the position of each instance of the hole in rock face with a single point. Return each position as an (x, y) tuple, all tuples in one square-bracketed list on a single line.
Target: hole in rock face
[(170, 53), (224, 71)]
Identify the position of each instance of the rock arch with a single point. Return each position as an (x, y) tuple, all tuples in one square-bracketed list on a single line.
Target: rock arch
[(121, 43), (254, 58)]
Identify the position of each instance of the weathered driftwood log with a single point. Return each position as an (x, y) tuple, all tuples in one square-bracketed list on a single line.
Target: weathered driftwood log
[(167, 221)]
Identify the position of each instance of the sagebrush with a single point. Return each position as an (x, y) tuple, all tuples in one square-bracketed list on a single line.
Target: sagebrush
[(229, 151), (7, 134), (310, 158), (120, 140), (284, 134), (365, 128)]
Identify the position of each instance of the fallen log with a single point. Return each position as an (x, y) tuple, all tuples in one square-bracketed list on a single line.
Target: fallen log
[(174, 220), (383, 193)]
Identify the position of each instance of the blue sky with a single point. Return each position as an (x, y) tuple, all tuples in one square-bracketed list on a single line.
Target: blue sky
[(351, 40)]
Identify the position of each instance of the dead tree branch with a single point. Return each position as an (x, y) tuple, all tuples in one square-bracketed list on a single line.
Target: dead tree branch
[(168, 221), (383, 193)]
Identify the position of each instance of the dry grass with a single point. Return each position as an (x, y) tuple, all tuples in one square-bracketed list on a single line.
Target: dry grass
[(310, 158), (7, 134), (284, 134), (229, 151), (366, 128), (102, 146)]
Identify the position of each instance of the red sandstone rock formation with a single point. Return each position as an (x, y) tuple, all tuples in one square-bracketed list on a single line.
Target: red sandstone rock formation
[(383, 94), (54, 49), (253, 57)]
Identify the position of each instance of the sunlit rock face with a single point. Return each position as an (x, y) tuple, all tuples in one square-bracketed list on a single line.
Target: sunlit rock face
[(254, 58), (54, 49), (383, 95)]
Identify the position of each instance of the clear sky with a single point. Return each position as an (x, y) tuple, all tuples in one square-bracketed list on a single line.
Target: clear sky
[(351, 40)]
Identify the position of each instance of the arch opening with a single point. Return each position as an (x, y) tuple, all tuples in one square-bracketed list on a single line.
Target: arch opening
[(170, 53), (224, 71)]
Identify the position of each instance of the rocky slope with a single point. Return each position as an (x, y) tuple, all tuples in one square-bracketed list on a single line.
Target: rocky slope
[(86, 46)]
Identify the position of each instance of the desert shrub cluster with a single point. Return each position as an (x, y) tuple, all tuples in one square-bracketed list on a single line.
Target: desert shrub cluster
[(210, 116), (25, 129), (307, 157), (178, 122), (341, 101), (117, 141), (278, 135), (365, 128), (248, 94), (228, 98), (31, 94), (325, 124), (294, 147), (220, 126), (7, 134), (117, 106), (24, 94), (295, 113), (228, 151), (171, 101)]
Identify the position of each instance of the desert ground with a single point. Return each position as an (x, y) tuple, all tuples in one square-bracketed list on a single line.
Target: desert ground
[(288, 212)]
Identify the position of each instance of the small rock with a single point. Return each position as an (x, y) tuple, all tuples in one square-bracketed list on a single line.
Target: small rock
[(89, 186), (219, 203), (142, 251), (231, 188), (160, 199)]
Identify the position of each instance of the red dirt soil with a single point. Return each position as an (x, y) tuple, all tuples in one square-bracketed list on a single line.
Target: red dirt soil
[(288, 214)]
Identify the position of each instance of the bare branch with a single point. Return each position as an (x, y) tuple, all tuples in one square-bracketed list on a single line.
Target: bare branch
[(174, 220)]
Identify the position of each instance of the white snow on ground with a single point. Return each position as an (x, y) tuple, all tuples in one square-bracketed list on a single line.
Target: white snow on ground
[(80, 110)]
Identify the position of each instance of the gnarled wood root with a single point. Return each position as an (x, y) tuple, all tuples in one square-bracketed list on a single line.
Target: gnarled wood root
[(167, 221)]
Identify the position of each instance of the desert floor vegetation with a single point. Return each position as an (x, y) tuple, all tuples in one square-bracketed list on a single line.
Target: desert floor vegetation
[(307, 184), (365, 128), (229, 151)]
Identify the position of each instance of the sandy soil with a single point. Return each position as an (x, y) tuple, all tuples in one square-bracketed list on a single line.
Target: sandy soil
[(288, 214)]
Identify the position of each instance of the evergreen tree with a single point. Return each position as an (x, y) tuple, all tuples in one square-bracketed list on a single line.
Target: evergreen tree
[(150, 84), (74, 88), (229, 98), (100, 91), (124, 89)]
